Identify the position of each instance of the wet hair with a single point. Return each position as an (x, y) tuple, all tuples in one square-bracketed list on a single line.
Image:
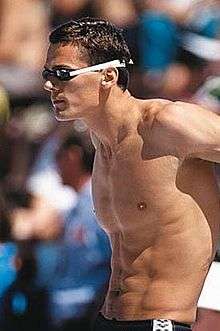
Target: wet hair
[(83, 141), (99, 39)]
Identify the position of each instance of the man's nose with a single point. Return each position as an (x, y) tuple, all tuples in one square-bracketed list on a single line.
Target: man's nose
[(49, 86)]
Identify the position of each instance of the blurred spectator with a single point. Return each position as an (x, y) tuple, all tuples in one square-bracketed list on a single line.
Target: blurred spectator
[(83, 267), (27, 148), (158, 42), (25, 302), (44, 169), (66, 10), (7, 248), (22, 137), (203, 17), (23, 39), (158, 38), (121, 13), (172, 67), (35, 220), (25, 305), (8, 272)]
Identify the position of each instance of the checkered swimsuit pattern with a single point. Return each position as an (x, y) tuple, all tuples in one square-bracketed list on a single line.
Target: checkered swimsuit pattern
[(162, 325)]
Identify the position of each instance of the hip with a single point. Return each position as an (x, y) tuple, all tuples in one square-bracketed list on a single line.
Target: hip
[(104, 324)]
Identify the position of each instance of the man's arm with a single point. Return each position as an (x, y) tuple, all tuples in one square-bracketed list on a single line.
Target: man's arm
[(185, 130)]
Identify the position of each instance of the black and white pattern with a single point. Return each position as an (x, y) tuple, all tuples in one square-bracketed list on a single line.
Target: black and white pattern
[(162, 325)]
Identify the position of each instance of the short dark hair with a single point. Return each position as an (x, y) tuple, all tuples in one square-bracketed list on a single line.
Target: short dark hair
[(101, 40)]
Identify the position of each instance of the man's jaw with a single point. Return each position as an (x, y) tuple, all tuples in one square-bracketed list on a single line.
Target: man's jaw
[(64, 114)]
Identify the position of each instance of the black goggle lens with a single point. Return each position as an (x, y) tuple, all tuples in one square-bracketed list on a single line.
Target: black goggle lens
[(61, 74)]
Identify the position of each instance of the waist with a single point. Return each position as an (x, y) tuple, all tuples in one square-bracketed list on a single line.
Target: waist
[(148, 324)]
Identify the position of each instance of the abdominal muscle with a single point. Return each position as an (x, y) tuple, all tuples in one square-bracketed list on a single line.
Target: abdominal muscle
[(160, 276), (160, 254)]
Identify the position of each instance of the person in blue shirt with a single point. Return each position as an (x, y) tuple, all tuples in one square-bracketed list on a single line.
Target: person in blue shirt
[(8, 248), (82, 266)]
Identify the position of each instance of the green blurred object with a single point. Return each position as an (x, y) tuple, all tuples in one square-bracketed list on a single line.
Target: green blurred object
[(208, 95), (215, 92), (4, 107), (212, 87)]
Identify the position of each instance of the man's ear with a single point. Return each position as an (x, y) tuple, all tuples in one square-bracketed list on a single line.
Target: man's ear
[(109, 77)]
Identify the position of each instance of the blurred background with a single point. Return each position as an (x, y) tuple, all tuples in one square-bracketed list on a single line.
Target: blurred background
[(54, 258)]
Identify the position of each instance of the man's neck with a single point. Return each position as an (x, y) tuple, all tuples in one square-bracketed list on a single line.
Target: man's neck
[(118, 111)]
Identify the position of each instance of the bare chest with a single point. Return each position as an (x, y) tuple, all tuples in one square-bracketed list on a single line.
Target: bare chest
[(128, 190), (139, 199)]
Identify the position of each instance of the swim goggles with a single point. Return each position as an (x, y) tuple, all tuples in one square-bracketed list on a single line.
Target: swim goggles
[(65, 74)]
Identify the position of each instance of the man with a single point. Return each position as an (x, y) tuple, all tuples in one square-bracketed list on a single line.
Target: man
[(153, 185)]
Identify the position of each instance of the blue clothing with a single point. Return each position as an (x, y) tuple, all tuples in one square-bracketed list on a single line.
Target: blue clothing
[(158, 41), (7, 269), (80, 264), (206, 22)]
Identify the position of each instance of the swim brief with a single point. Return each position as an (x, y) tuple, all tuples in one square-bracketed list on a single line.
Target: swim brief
[(104, 324)]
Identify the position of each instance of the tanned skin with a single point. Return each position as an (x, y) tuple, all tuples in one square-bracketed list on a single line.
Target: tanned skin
[(154, 189)]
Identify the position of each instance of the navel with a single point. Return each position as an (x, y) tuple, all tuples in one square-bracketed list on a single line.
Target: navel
[(141, 206)]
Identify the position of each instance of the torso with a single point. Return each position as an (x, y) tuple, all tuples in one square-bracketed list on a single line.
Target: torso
[(162, 216)]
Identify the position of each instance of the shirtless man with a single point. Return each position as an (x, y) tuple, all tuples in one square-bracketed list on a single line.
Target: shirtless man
[(153, 186)]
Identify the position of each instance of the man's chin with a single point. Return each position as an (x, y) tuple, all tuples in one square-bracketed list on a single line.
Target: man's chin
[(62, 119)]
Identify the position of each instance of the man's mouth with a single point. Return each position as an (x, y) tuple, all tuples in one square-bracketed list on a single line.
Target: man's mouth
[(59, 105)]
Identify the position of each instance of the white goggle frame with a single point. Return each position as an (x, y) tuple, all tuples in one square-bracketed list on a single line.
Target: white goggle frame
[(101, 66)]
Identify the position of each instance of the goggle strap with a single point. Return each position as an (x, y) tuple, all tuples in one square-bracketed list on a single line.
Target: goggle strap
[(114, 63)]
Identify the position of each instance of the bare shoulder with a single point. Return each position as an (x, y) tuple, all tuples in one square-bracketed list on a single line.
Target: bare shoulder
[(178, 109), (176, 115), (180, 129), (152, 106), (172, 128), (150, 109)]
